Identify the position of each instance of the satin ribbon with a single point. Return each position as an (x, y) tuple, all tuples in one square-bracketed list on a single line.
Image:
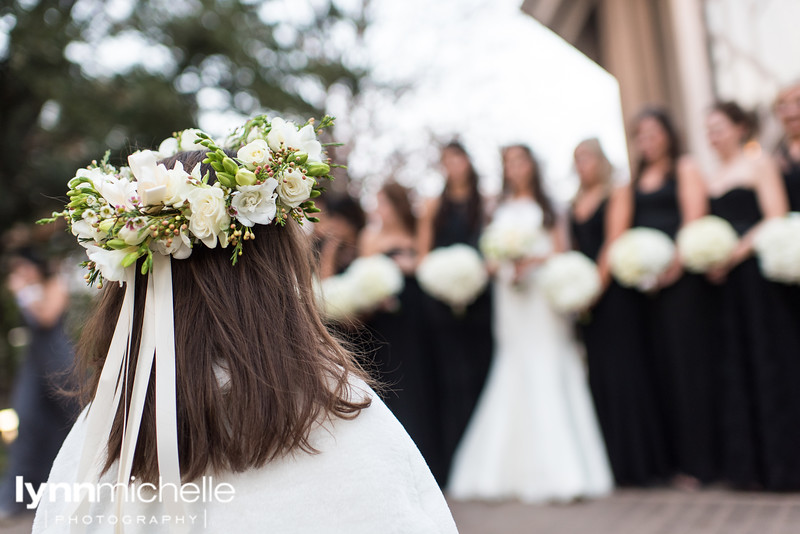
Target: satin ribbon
[(157, 344)]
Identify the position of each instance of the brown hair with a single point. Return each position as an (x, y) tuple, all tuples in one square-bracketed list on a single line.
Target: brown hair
[(747, 120), (397, 195), (474, 201), (674, 151), (257, 322), (537, 188)]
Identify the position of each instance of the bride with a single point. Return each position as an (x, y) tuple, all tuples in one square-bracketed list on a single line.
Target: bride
[(534, 435)]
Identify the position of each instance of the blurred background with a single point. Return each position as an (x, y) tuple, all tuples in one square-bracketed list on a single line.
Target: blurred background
[(80, 76)]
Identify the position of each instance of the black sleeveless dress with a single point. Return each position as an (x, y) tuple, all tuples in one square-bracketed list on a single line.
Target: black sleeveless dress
[(45, 415), (619, 381), (406, 372), (681, 353), (761, 367), (791, 177), (460, 347)]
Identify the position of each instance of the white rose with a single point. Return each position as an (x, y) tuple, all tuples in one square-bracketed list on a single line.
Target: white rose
[(209, 216), (189, 140), (255, 204), (294, 188), (168, 147), (255, 154), (109, 262)]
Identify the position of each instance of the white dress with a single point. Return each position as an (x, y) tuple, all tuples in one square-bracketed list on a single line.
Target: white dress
[(534, 435), (368, 477)]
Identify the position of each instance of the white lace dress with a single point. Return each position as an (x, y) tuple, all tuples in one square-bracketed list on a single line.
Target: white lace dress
[(534, 434)]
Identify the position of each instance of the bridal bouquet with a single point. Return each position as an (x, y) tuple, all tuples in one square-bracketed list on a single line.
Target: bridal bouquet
[(639, 256), (706, 243), (507, 239), (777, 245), (336, 298), (570, 282), (363, 287), (454, 275)]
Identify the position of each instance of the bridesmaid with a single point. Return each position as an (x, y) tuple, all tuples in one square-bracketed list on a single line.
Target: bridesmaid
[(402, 367), (460, 347), (625, 404), (761, 397), (336, 241), (667, 191)]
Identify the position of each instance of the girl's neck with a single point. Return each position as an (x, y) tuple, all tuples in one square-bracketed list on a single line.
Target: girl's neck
[(459, 192), (793, 148), (729, 156), (662, 164)]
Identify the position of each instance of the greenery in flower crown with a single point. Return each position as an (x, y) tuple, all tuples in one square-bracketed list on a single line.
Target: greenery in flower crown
[(122, 215)]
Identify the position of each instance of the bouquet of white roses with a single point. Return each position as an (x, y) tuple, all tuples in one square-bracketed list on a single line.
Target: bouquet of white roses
[(570, 282), (777, 245), (454, 275), (513, 238), (639, 256), (375, 279), (363, 287), (336, 298), (706, 243)]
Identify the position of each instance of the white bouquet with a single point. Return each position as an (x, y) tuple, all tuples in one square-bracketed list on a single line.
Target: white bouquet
[(336, 298), (375, 279), (454, 275), (777, 245), (513, 236), (706, 243), (639, 256), (362, 288), (570, 282)]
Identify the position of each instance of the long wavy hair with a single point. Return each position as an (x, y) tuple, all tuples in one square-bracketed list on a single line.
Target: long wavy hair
[(474, 201), (255, 366), (535, 181)]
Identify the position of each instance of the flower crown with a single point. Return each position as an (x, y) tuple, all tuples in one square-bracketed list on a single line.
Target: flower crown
[(121, 215)]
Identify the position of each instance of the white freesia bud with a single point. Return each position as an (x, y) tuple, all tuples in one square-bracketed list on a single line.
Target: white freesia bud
[(255, 204), (168, 147), (255, 154), (189, 140), (209, 215), (294, 188)]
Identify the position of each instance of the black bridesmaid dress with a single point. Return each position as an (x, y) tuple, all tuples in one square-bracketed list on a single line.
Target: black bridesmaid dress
[(681, 348), (460, 347), (406, 372), (791, 177), (615, 349), (761, 367)]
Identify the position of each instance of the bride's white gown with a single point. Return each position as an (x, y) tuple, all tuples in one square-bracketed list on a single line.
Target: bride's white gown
[(534, 435)]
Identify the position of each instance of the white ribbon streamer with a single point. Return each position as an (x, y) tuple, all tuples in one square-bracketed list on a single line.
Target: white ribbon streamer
[(157, 343)]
